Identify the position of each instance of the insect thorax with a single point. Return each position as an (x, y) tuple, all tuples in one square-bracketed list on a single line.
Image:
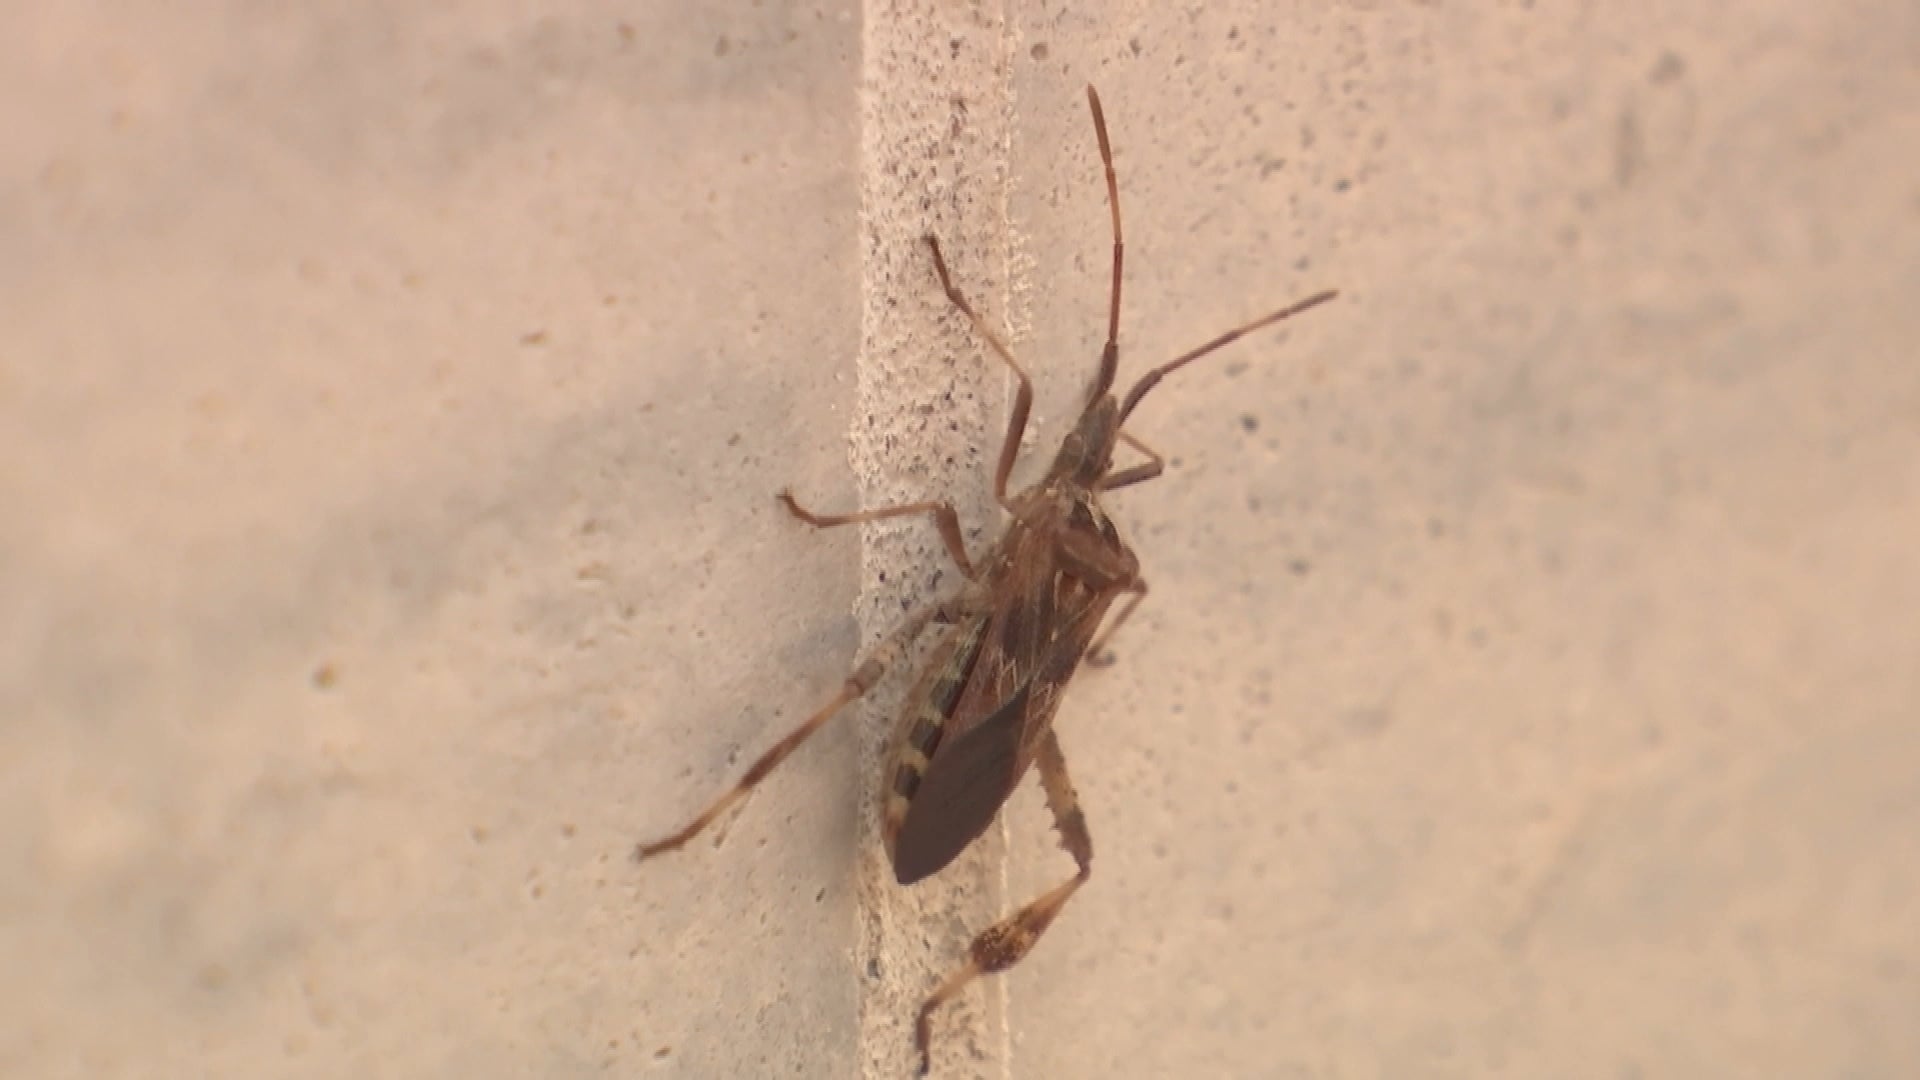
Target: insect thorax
[(1087, 450)]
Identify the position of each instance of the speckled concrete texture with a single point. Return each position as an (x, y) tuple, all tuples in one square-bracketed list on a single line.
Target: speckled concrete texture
[(391, 404)]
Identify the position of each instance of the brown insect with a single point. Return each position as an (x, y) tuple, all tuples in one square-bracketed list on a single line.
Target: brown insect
[(982, 711)]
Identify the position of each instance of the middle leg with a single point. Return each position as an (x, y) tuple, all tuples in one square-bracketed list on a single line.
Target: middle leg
[(884, 656)]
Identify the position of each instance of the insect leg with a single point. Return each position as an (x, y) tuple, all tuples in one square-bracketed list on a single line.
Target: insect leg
[(943, 515), (1004, 943), (884, 655), (1134, 474), (1022, 394), (1097, 654)]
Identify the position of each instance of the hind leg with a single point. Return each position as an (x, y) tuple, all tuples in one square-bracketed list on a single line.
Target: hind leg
[(1004, 943), (884, 655)]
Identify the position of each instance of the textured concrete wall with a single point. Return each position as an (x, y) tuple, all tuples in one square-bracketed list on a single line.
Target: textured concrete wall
[(390, 406)]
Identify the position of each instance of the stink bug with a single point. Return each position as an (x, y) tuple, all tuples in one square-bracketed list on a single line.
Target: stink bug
[(982, 710)]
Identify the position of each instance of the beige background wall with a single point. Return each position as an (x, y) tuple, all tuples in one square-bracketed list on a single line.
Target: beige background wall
[(390, 406)]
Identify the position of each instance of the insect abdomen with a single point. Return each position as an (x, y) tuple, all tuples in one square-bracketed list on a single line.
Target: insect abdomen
[(921, 730)]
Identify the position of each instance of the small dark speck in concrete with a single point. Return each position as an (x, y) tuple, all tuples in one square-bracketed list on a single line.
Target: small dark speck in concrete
[(1249, 422), (326, 676), (1299, 567), (1342, 184), (722, 47), (1039, 50)]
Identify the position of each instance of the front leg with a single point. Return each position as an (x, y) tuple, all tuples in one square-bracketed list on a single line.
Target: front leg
[(942, 513), (1138, 474), (1003, 944), (1097, 654), (1100, 567)]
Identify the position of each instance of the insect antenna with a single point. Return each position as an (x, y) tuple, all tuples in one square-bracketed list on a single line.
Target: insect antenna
[(1109, 356), (1152, 378)]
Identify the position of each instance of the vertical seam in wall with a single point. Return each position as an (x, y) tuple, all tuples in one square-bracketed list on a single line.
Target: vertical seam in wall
[(1003, 989), (935, 103)]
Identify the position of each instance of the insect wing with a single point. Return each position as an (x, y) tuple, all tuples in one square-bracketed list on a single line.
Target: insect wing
[(976, 768), (961, 792)]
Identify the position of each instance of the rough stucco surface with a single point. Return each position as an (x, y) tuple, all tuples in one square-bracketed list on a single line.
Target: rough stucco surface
[(390, 406), (936, 116)]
